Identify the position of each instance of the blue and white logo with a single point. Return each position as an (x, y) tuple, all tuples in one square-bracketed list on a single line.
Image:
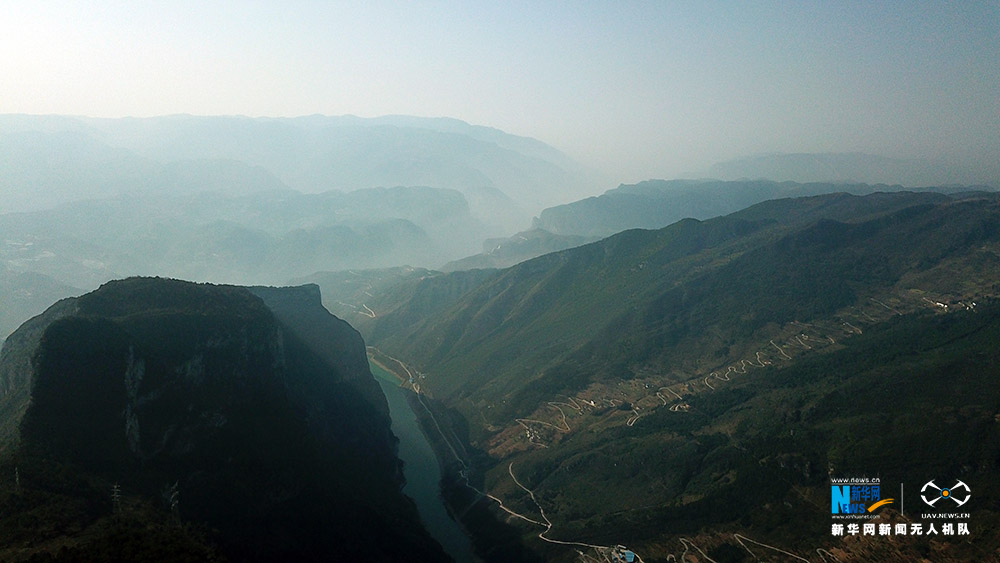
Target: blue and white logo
[(856, 496)]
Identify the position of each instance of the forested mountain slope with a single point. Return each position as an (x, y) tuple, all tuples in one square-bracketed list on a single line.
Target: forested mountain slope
[(644, 387)]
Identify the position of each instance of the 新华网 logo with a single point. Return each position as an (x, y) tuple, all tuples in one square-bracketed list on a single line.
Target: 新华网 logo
[(856, 496)]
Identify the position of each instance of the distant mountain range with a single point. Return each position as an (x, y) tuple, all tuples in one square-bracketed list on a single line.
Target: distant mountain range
[(266, 237), (853, 168), (160, 420), (657, 203), (707, 378), (48, 160), (274, 236), (651, 204)]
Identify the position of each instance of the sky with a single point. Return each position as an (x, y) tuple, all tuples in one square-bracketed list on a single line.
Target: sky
[(635, 89)]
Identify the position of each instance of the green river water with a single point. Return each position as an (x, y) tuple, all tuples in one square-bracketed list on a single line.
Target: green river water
[(423, 474)]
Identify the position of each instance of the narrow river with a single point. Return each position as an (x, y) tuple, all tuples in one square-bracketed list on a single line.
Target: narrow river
[(421, 469)]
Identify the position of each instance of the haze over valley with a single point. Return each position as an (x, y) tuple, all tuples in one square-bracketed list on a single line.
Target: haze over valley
[(605, 282)]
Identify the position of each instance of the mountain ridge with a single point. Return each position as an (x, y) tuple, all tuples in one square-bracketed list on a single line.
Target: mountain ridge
[(854, 167), (655, 204), (309, 153), (610, 363)]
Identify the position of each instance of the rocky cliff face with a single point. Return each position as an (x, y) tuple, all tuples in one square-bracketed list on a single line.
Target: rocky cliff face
[(300, 311), (16, 371), (257, 406)]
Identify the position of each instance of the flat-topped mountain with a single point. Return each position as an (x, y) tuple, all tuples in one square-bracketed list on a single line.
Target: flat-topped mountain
[(252, 411)]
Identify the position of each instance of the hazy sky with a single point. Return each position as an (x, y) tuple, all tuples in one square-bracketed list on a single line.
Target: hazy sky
[(639, 89)]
